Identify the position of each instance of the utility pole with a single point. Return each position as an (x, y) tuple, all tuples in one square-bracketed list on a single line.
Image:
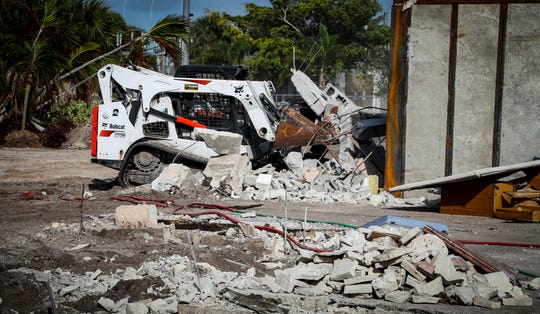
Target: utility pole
[(185, 53)]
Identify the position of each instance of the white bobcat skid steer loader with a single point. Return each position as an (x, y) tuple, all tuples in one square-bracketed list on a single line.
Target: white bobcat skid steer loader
[(147, 118)]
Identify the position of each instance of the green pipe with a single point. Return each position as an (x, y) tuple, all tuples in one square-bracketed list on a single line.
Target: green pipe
[(308, 220), (527, 273)]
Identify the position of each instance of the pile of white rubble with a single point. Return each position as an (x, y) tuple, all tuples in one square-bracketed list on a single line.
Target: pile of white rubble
[(306, 180), (392, 263)]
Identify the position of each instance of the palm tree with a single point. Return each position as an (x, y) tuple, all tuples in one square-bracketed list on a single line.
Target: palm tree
[(50, 44), (166, 33)]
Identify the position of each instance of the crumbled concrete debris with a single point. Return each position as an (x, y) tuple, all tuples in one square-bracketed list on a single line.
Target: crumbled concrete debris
[(357, 268), (227, 172), (304, 181), (136, 216), (222, 142), (397, 296), (174, 176), (522, 300)]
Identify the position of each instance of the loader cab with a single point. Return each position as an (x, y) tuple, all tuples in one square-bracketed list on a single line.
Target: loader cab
[(215, 72)]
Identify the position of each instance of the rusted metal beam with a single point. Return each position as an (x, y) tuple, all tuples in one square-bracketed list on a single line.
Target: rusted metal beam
[(449, 154), (397, 98), (485, 264), (499, 87)]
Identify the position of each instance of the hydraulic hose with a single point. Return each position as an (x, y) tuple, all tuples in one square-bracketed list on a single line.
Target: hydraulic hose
[(265, 228)]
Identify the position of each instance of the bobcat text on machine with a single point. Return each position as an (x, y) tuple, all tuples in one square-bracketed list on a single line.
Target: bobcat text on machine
[(147, 119)]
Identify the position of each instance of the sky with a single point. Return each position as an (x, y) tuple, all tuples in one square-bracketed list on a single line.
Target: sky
[(145, 13)]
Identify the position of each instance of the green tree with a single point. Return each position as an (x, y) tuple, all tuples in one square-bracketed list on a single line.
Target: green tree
[(329, 35), (52, 46), (217, 39)]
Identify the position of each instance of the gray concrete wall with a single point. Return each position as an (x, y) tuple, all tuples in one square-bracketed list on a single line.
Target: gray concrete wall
[(427, 93), (475, 100), (476, 66), (520, 131)]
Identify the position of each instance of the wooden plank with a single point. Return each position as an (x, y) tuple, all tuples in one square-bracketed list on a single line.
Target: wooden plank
[(534, 178), (521, 213), (524, 194), (500, 198), (468, 198), (467, 176)]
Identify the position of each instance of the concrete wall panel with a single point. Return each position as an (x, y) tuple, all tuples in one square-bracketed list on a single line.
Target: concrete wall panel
[(428, 92), (520, 128), (476, 67)]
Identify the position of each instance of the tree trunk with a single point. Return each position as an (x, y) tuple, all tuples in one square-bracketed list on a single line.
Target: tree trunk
[(26, 99), (321, 78)]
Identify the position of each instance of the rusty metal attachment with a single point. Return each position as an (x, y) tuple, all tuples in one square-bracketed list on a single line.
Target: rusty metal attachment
[(295, 130)]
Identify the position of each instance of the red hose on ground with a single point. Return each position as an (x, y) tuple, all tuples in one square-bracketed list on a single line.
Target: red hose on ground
[(265, 228), (499, 243)]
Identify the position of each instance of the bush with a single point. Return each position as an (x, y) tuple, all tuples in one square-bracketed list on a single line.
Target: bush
[(76, 110), (56, 134)]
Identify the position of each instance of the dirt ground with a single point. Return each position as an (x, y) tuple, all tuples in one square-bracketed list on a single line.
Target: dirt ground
[(38, 188)]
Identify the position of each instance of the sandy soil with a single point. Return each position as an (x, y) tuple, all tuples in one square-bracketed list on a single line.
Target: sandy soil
[(38, 187)]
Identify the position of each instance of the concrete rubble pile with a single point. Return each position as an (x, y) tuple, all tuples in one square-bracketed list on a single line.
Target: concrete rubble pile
[(305, 180), (380, 263)]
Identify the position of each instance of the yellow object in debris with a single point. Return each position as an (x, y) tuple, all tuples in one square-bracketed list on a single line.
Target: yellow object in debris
[(373, 184)]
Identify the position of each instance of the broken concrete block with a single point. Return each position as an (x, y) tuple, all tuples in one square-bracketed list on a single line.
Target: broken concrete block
[(516, 292), (391, 254), (483, 302), (264, 182), (424, 299), (445, 268), (68, 290), (409, 235), (358, 289), (107, 304), (534, 284), (163, 306), (227, 172), (428, 243), (464, 294), (309, 291), (378, 231), (287, 282), (174, 175), (343, 269), (368, 257), (522, 300), (222, 142), (310, 164), (311, 271), (136, 308), (487, 292), (361, 279), (397, 296), (385, 242), (499, 280), (411, 269), (294, 162), (311, 174), (353, 238), (431, 288), (385, 284), (136, 216)]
